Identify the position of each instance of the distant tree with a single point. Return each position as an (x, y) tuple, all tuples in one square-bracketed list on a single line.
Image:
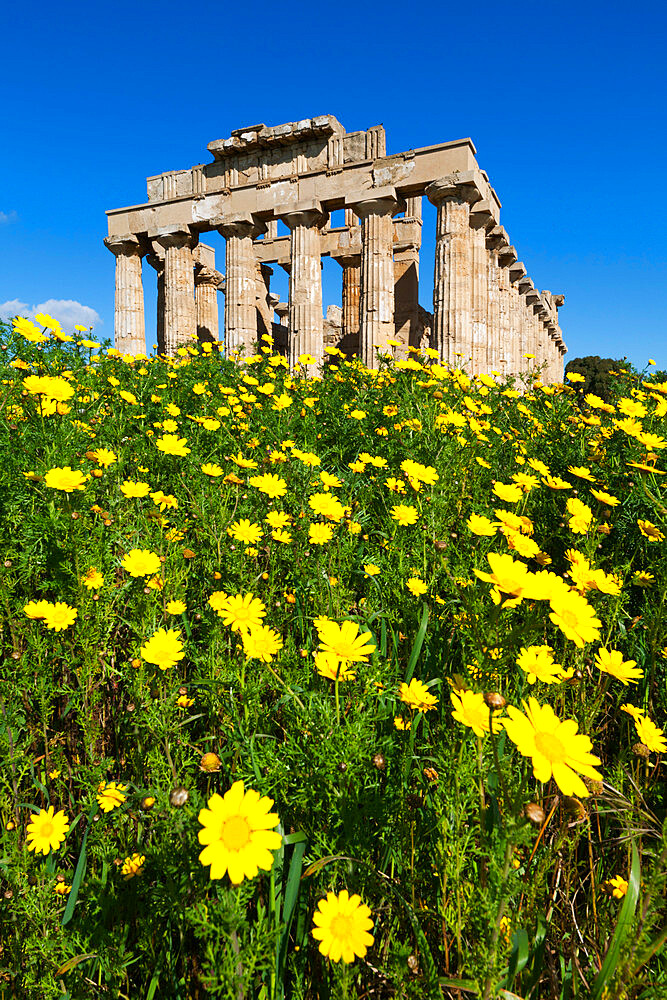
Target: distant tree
[(596, 372)]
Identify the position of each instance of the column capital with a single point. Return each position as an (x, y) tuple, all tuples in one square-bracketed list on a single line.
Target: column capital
[(524, 284), (558, 300), (128, 245), (506, 256), (484, 215), (302, 213), (375, 201), (497, 238), (156, 261), (464, 185), (517, 271), (532, 296), (242, 225), (209, 276), (167, 238)]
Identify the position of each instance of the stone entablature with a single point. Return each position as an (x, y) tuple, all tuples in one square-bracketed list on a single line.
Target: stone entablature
[(487, 313)]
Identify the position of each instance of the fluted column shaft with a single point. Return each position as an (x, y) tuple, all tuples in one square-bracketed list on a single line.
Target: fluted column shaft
[(156, 261), (305, 319), (351, 297), (129, 323), (376, 313), (507, 338), (207, 282), (180, 323), (240, 291), (493, 313), (452, 291), (480, 302)]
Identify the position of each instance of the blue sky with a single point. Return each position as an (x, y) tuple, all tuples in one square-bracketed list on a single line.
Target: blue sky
[(566, 106)]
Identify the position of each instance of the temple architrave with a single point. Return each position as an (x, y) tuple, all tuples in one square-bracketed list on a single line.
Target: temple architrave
[(487, 314)]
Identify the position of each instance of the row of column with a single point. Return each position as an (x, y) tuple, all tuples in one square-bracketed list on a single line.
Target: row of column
[(487, 314)]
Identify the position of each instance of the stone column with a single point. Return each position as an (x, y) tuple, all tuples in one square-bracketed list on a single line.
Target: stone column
[(306, 334), (240, 292), (481, 222), (532, 300), (376, 315), (129, 323), (207, 283), (180, 323), (452, 280), (262, 294), (156, 261), (351, 299)]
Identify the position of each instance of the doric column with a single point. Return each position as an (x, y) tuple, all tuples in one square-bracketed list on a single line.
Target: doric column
[(180, 323), (351, 299), (452, 280), (240, 291), (532, 299), (263, 275), (207, 283), (376, 315), (481, 221), (129, 323), (306, 334), (156, 261)]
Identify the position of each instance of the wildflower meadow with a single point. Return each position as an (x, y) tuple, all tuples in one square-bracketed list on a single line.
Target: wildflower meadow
[(331, 683)]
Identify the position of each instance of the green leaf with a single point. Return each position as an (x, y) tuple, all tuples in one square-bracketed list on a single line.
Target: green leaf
[(289, 905), (79, 873), (417, 645), (625, 919)]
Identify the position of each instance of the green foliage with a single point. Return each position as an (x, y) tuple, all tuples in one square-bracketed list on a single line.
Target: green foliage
[(597, 372), (471, 893)]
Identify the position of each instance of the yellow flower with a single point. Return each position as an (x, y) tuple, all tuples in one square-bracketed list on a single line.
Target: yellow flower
[(508, 576), (212, 470), (184, 702), (416, 586), (280, 535), (538, 663), (341, 924), (238, 834), (59, 616), (332, 668), (244, 531), (243, 463), (141, 562), (580, 516), (62, 889), (581, 472), (480, 525), (93, 579), (575, 618), (416, 696), (508, 493), (327, 505), (261, 643), (344, 641), (111, 795), (610, 661), (46, 830), (320, 534), (217, 600), (618, 886), (404, 514), (164, 500), (175, 607), (333, 482), (650, 531), (241, 613), (131, 489), (66, 479), (606, 498), (278, 519), (471, 710), (273, 486), (133, 865), (164, 648), (371, 570), (556, 483), (557, 748), (650, 735), (170, 444), (36, 609), (104, 457), (402, 724)]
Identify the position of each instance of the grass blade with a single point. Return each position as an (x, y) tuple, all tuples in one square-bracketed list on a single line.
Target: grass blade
[(606, 973)]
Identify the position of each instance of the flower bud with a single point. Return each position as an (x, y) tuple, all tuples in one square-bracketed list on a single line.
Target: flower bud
[(380, 761), (178, 797), (148, 802), (640, 750), (210, 762), (494, 701), (535, 813)]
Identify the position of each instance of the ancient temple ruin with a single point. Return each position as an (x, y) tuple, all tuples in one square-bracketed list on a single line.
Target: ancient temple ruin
[(487, 314)]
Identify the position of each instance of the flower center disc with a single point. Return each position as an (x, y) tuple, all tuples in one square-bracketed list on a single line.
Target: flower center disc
[(550, 746), (235, 833), (47, 830), (341, 927)]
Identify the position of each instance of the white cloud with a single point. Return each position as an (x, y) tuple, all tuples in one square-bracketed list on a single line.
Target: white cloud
[(6, 217), (68, 312)]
